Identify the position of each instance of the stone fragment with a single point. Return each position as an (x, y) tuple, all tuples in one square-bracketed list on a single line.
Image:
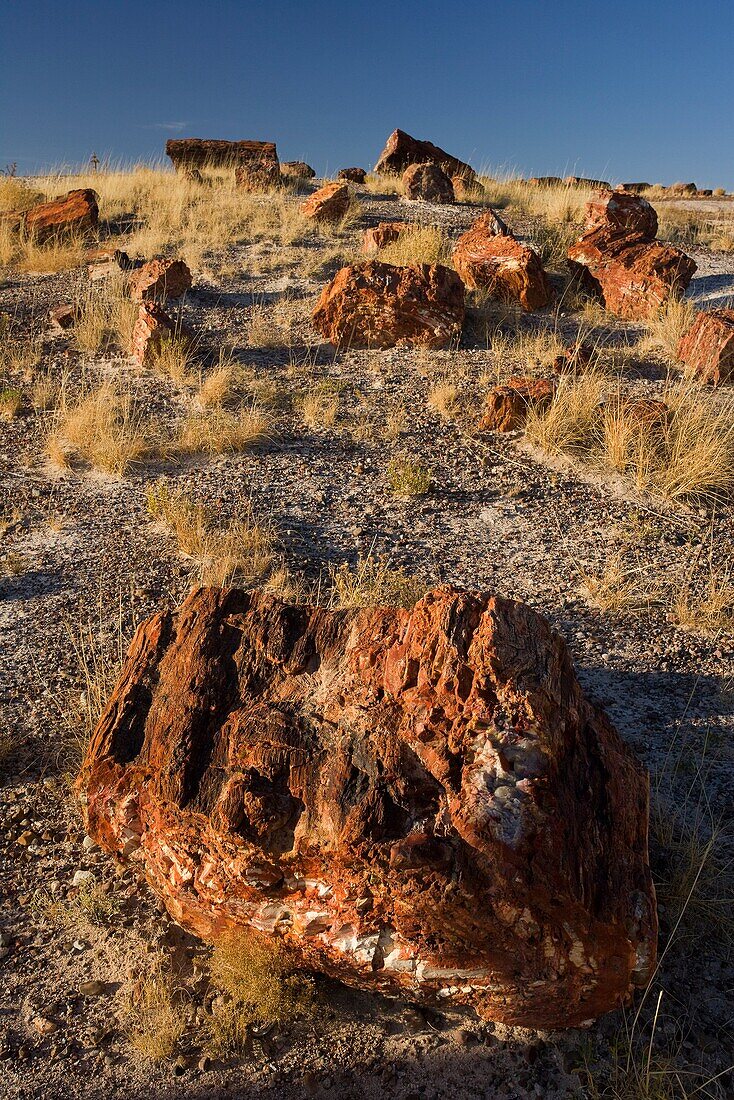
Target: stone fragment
[(72, 214), (621, 210), (505, 268), (469, 190), (353, 175), (64, 317), (707, 346), (297, 169), (377, 305), (636, 188), (684, 188), (574, 359), (260, 171), (92, 988), (329, 204), (188, 154), (506, 407), (402, 150), (545, 181), (582, 181), (158, 280), (647, 414), (280, 763), (105, 262), (382, 234), (152, 327), (632, 275), (428, 183)]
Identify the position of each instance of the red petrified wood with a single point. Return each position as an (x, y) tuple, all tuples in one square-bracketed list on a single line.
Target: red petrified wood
[(382, 234), (622, 210), (421, 802), (376, 305), (427, 182), (401, 150), (152, 327), (506, 407), (74, 213), (329, 204), (505, 268), (707, 346), (158, 279)]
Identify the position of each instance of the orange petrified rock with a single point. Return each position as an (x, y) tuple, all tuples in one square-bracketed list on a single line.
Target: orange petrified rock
[(328, 204), (707, 346), (74, 213), (506, 407), (505, 268)]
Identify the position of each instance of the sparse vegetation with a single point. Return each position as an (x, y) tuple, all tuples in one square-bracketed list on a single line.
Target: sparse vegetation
[(374, 582), (409, 478), (153, 1018), (421, 244), (105, 428)]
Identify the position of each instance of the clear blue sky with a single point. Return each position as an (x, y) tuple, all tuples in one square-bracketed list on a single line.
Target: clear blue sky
[(623, 90)]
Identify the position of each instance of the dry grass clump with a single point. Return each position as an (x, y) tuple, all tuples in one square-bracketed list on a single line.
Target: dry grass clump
[(624, 584), (105, 428), (443, 397), (107, 317), (15, 194), (174, 357), (695, 229), (11, 403), (225, 552), (99, 650), (319, 410), (667, 325), (688, 456), (217, 431), (409, 478), (383, 185), (153, 1019), (223, 384), (20, 354), (91, 904), (706, 606), (396, 422), (58, 254), (261, 980), (373, 582), (421, 244), (560, 203)]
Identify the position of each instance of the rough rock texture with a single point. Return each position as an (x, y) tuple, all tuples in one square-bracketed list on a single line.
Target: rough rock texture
[(546, 181), (647, 414), (427, 182), (507, 269), (683, 188), (260, 171), (194, 153), (707, 346), (73, 213), (506, 407), (104, 262), (297, 169), (636, 187), (421, 802), (65, 316), (354, 175), (624, 211), (376, 305), (470, 189), (582, 181), (632, 275), (152, 326), (381, 234), (158, 280), (574, 359), (402, 150), (328, 204)]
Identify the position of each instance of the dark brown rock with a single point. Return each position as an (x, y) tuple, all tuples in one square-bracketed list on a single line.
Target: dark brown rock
[(467, 190), (353, 175), (260, 171), (382, 234), (376, 305), (574, 359), (64, 317), (582, 181), (297, 169), (637, 188), (421, 802), (328, 204), (197, 153), (503, 267), (707, 346), (403, 150), (428, 183), (158, 280), (546, 181), (506, 407), (73, 214)]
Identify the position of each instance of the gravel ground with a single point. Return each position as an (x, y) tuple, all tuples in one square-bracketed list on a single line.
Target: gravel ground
[(82, 553)]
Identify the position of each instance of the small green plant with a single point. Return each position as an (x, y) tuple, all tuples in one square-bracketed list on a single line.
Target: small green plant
[(409, 478)]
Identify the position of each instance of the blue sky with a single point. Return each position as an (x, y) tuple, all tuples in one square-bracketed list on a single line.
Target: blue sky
[(623, 90)]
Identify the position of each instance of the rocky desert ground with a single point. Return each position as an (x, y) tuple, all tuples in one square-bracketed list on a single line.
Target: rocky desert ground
[(246, 448)]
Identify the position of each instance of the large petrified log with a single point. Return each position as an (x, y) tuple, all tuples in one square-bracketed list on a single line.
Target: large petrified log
[(427, 182), (488, 256), (623, 210), (190, 154), (377, 305), (402, 150), (70, 214), (421, 802)]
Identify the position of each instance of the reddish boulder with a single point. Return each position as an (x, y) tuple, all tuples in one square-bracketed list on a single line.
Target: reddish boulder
[(622, 210), (384, 233), (74, 213), (707, 346), (189, 154), (403, 150), (428, 183), (328, 204), (158, 280), (468, 190), (152, 327), (353, 175), (506, 407), (297, 169), (632, 275), (260, 171), (376, 305), (582, 181), (421, 802), (505, 268), (647, 414)]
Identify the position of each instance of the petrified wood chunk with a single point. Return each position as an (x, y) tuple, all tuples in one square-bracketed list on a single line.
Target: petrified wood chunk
[(506, 407), (401, 150), (470, 189), (188, 154), (421, 802), (329, 204), (546, 181), (377, 305), (297, 169), (157, 280), (427, 182), (707, 346), (152, 327), (505, 268), (583, 181), (622, 210), (382, 234), (73, 213), (260, 171), (353, 175)]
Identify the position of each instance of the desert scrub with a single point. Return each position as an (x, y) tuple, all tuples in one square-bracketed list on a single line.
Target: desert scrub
[(90, 906), (319, 410), (154, 1017), (106, 317), (260, 978), (217, 431), (409, 478), (374, 582), (421, 244), (443, 398), (104, 428), (224, 551), (666, 326), (99, 645), (11, 403)]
